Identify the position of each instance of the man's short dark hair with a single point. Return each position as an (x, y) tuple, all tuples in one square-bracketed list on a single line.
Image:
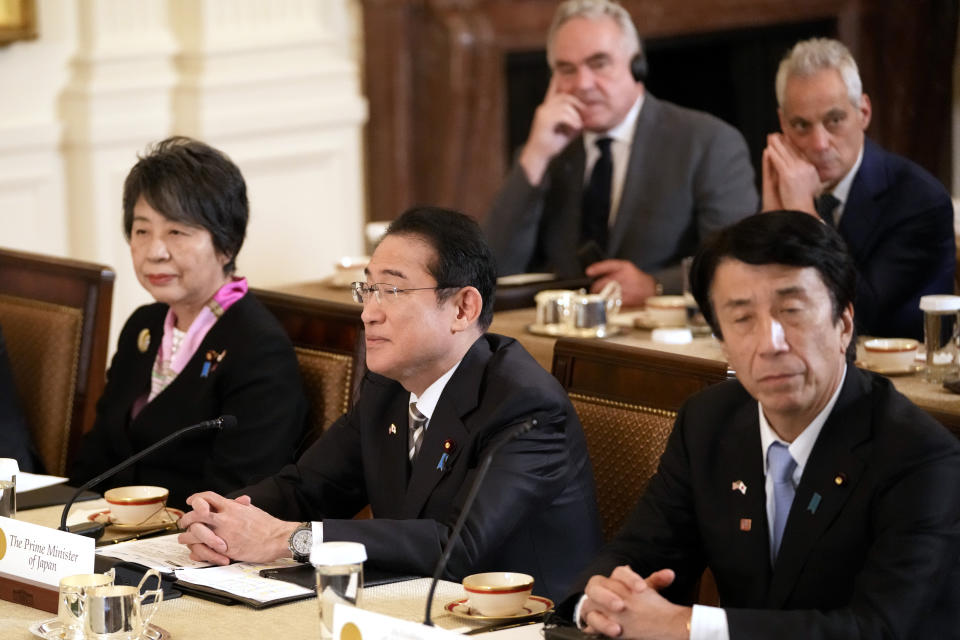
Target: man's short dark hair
[(462, 256), (188, 181), (790, 238)]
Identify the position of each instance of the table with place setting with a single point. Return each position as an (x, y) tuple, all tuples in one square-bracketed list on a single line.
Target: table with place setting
[(192, 617)]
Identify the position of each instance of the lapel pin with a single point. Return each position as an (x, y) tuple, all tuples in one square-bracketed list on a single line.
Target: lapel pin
[(213, 358), (738, 485), (746, 524), (814, 503), (392, 429), (143, 340), (840, 479), (449, 446), (443, 461)]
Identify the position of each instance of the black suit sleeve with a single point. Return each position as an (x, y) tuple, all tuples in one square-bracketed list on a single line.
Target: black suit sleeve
[(15, 440)]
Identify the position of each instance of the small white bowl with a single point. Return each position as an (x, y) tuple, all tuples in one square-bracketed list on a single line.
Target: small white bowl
[(890, 354), (497, 593), (135, 504), (667, 311)]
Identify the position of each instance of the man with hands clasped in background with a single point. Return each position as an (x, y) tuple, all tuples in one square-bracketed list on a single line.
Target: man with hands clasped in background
[(611, 179), (896, 219), (440, 392), (824, 502)]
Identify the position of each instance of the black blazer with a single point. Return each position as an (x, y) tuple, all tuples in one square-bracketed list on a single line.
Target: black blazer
[(688, 175), (258, 381), (535, 513), (876, 555), (15, 439), (898, 225)]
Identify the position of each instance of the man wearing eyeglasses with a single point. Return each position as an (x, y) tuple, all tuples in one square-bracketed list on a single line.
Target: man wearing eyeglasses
[(441, 391)]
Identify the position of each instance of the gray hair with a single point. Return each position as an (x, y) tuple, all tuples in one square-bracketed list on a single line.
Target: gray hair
[(810, 56), (593, 10)]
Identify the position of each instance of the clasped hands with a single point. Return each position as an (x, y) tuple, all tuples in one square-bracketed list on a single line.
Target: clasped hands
[(625, 605), (219, 530), (790, 181)]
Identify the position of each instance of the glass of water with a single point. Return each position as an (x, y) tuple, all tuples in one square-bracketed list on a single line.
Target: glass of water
[(339, 567)]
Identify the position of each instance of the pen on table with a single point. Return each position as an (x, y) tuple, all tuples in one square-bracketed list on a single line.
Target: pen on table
[(142, 535), (501, 626)]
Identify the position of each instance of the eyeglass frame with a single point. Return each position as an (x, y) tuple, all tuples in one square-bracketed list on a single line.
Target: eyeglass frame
[(356, 289)]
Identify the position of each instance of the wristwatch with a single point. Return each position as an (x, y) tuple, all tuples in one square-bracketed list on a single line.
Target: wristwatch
[(301, 542)]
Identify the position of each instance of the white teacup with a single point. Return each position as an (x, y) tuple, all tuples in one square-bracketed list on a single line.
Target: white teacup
[(497, 593), (135, 504), (349, 269), (667, 311), (890, 354)]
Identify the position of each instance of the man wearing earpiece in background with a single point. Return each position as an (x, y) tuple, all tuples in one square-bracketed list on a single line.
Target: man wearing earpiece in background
[(611, 179)]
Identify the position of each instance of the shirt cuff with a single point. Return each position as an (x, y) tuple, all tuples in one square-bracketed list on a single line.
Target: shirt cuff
[(317, 532), (709, 623), (576, 612)]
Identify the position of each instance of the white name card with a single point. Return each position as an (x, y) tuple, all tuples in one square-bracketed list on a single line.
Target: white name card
[(351, 623), (43, 555)]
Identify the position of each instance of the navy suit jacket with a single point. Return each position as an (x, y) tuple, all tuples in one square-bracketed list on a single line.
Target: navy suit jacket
[(535, 512), (689, 174), (898, 225), (871, 547), (15, 439)]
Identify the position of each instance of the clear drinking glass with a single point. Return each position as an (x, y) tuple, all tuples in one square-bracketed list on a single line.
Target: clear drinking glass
[(339, 567), (941, 321)]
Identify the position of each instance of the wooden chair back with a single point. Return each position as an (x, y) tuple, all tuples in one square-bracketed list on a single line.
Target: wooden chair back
[(627, 399), (55, 314), (328, 339)]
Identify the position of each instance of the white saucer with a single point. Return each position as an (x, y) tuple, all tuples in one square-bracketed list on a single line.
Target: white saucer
[(518, 279), (52, 629), (910, 370), (166, 516), (534, 606), (563, 331)]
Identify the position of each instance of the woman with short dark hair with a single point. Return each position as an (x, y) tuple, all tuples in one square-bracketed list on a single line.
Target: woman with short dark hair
[(206, 348)]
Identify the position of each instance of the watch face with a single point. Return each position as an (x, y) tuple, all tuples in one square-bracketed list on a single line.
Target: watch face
[(302, 541)]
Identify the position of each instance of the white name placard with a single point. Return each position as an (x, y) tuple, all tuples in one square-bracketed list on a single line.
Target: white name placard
[(351, 623), (41, 554)]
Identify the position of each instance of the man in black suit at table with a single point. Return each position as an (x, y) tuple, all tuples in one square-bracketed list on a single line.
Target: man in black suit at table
[(896, 219), (427, 303), (825, 503)]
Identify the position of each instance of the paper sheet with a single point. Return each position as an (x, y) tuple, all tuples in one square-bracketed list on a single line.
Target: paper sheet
[(243, 579), (162, 553), (30, 481)]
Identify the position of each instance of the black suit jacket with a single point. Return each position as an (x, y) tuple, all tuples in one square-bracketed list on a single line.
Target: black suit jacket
[(258, 381), (898, 225), (535, 511), (688, 175), (872, 542)]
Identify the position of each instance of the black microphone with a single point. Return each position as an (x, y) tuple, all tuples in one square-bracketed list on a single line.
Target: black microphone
[(95, 529), (508, 434)]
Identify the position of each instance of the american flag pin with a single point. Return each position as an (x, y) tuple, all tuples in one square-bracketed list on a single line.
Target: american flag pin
[(746, 524), (738, 485)]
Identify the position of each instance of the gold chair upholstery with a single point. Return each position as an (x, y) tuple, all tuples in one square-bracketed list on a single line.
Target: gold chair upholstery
[(627, 399), (55, 315), (328, 339)]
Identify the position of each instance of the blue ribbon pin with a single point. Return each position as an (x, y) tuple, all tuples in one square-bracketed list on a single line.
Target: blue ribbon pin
[(814, 503)]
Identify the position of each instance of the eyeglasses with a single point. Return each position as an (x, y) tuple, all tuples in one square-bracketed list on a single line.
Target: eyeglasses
[(361, 291)]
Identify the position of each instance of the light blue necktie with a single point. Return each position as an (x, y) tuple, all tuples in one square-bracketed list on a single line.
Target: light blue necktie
[(780, 466)]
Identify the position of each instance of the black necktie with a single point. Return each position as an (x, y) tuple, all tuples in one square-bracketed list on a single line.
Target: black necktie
[(825, 205), (596, 198)]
